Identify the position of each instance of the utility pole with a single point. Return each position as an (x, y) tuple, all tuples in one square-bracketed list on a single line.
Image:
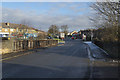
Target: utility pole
[(91, 34), (58, 36)]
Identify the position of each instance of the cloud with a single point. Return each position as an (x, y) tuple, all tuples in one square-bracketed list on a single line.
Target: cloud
[(43, 21), (58, 0), (47, 0)]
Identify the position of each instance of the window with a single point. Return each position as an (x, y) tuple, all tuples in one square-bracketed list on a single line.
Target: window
[(11, 30), (6, 29), (20, 30)]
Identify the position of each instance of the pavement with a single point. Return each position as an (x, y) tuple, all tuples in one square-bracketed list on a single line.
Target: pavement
[(102, 65), (71, 60), (98, 53)]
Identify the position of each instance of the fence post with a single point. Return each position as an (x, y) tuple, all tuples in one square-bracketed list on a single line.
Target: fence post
[(21, 45), (14, 45), (28, 44), (32, 44)]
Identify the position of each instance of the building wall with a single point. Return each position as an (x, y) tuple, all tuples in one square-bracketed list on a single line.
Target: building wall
[(12, 30)]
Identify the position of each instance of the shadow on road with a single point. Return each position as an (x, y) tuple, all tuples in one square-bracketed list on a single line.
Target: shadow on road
[(26, 71), (68, 61)]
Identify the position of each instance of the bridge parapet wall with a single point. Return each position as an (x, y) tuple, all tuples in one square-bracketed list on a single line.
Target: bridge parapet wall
[(9, 46)]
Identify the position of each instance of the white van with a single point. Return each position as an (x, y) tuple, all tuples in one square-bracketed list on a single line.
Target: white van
[(4, 35)]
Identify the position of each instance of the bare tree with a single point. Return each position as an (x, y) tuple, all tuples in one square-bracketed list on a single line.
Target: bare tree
[(107, 16), (26, 22), (53, 29), (64, 28), (24, 26), (107, 11)]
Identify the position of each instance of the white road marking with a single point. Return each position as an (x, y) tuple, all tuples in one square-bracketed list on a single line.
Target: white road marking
[(15, 56)]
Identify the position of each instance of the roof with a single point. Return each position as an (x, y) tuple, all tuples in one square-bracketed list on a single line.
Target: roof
[(20, 26), (11, 25)]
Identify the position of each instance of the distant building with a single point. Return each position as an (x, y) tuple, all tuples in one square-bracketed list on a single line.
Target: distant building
[(73, 32), (20, 30), (88, 33)]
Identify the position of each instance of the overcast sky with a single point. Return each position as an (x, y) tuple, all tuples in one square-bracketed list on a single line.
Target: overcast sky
[(41, 15)]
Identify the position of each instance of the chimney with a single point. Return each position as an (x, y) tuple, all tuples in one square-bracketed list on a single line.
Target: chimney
[(8, 24)]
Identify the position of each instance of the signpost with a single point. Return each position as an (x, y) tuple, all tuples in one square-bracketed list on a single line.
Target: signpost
[(62, 35)]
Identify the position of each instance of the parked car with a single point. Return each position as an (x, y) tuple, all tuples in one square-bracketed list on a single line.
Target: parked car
[(49, 37), (72, 37), (4, 35)]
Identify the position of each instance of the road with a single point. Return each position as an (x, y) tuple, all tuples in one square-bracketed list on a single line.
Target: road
[(70, 60)]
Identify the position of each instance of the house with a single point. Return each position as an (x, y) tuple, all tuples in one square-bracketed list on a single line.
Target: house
[(3, 33), (20, 30), (7, 28)]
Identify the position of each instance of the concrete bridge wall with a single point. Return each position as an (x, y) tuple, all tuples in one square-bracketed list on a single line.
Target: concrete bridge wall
[(8, 46)]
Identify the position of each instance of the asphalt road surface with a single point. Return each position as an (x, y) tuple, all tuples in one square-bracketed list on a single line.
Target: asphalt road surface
[(70, 60)]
